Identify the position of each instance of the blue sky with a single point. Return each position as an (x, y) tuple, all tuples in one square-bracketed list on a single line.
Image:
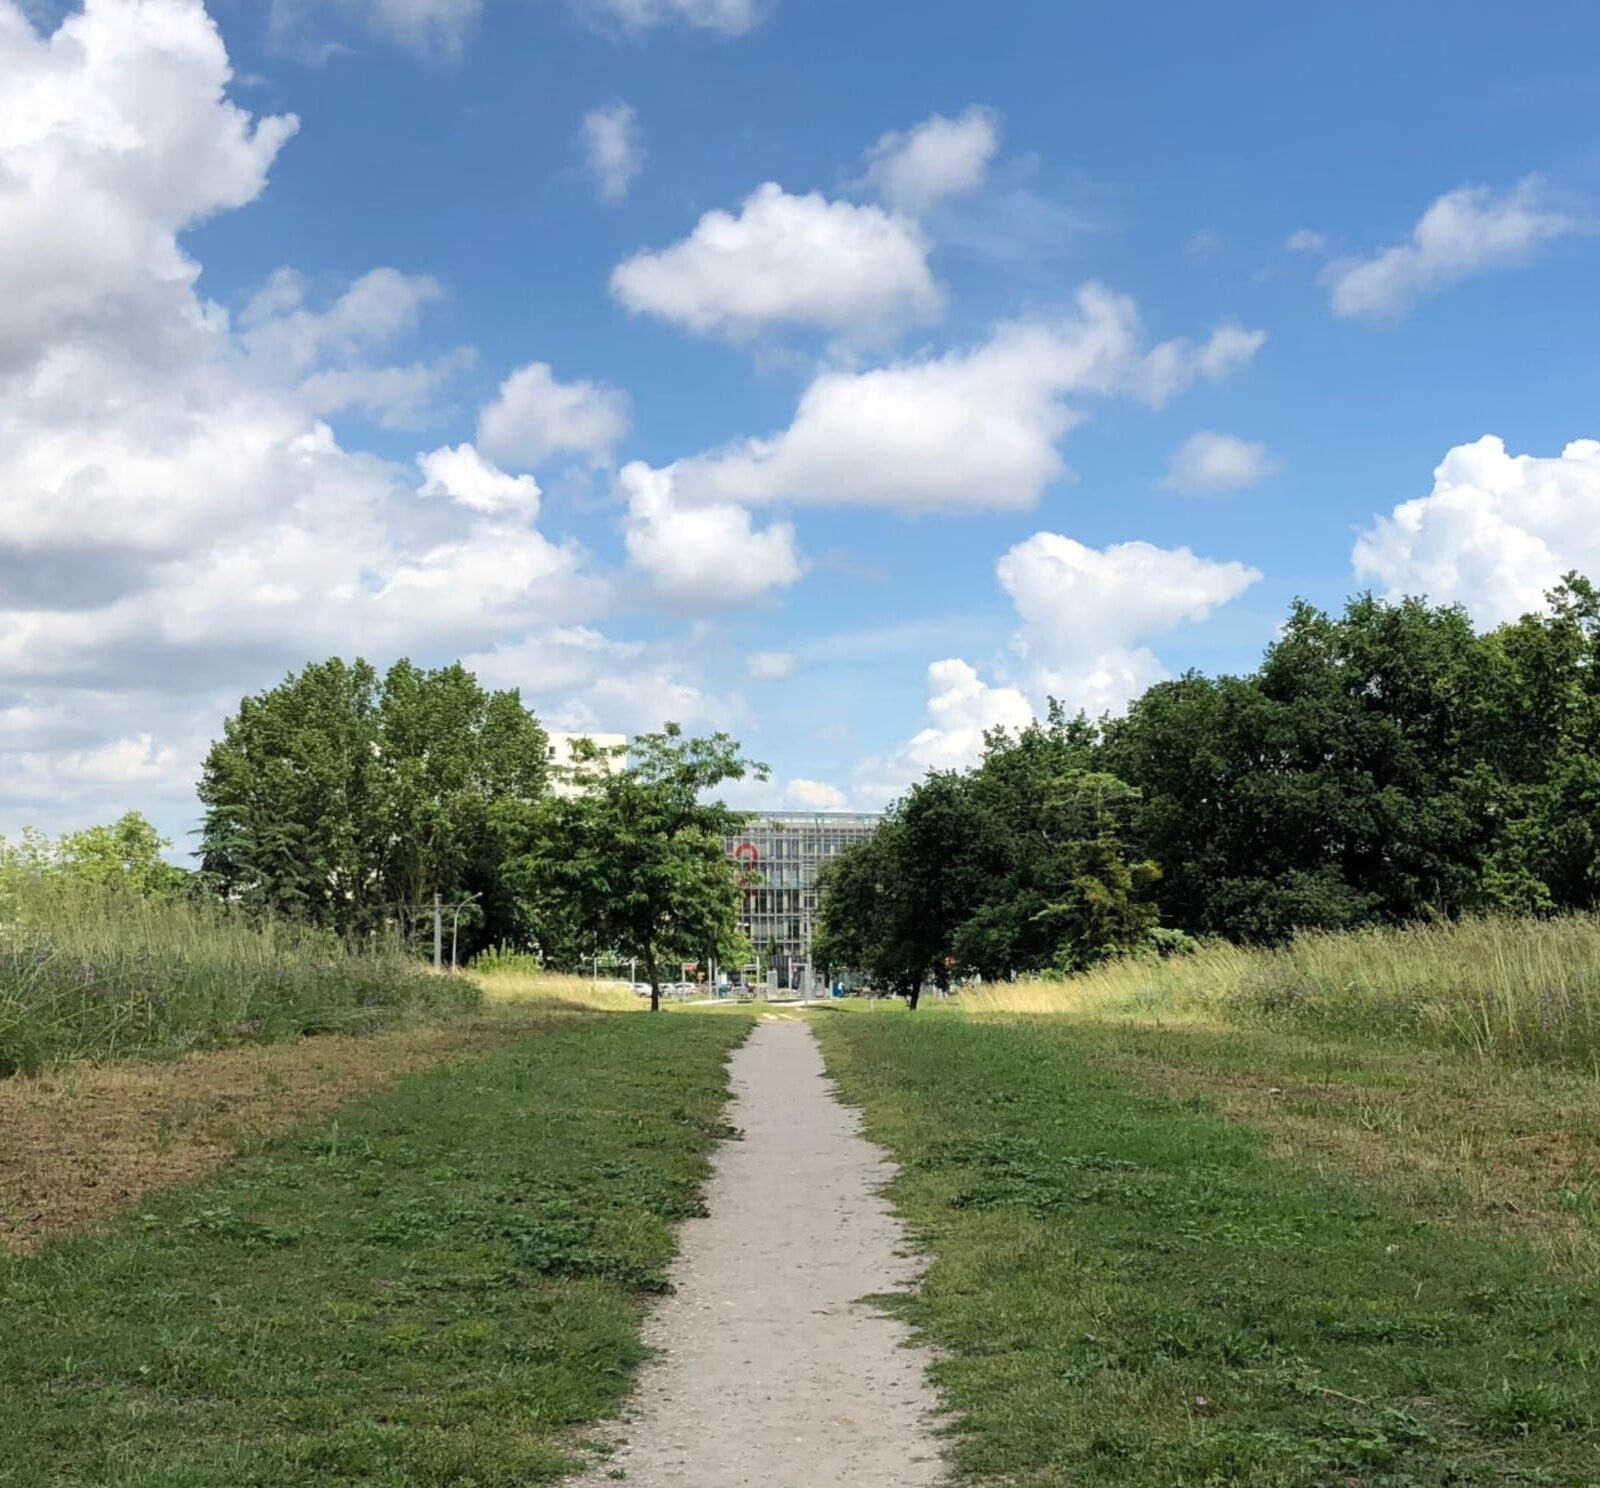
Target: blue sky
[(1036, 349)]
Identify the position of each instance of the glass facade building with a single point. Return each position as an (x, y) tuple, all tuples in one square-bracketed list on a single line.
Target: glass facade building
[(780, 854)]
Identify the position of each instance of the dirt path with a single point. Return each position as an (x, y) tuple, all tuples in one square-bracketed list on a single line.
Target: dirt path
[(770, 1370)]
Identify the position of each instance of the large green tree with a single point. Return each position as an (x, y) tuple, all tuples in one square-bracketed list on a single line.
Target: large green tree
[(1022, 864), (629, 857), (349, 800)]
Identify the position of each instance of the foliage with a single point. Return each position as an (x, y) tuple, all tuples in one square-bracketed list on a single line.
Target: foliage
[(435, 1288), (1128, 1289), (630, 861), (1021, 864), (1387, 765), (126, 854), (348, 801), (92, 972)]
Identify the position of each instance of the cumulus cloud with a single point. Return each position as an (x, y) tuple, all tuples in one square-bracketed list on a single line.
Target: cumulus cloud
[(705, 557), (1496, 532), (180, 525), (1464, 232), (463, 475), (97, 184), (962, 707), (582, 680), (534, 417), (968, 430), (856, 271), (914, 170), (814, 795), (1084, 616), (769, 666), (328, 352), (612, 150), (1306, 240), (1086, 612), (730, 17), (1206, 464)]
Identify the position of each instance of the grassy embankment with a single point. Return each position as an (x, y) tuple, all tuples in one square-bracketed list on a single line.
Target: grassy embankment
[(1325, 1215), (437, 1287), (91, 974)]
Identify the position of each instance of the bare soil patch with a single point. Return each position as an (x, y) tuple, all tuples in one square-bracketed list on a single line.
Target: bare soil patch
[(80, 1144)]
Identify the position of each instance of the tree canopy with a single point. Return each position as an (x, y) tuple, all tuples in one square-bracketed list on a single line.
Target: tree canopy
[(1387, 764), (628, 858), (127, 854), (349, 800)]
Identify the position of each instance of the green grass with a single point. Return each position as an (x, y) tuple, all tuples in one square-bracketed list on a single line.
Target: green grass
[(437, 1288), (1127, 1289), (1506, 989), (95, 973)]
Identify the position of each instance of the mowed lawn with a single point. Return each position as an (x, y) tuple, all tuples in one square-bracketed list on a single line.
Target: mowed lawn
[(439, 1286), (1128, 1289)]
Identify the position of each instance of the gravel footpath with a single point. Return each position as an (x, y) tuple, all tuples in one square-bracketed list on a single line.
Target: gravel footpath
[(770, 1369)]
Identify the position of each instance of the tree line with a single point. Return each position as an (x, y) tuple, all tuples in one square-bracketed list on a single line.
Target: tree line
[(1388, 764), (351, 799)]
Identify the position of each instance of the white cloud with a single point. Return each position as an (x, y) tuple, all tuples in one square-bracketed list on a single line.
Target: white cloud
[(114, 138), (730, 17), (703, 557), (1206, 243), (427, 27), (463, 475), (965, 431), (1208, 463), (769, 666), (179, 525), (1496, 532), (326, 352), (1306, 240), (856, 271), (111, 770), (1084, 615), (961, 709), (913, 171), (814, 795), (1085, 612), (580, 679), (611, 149), (534, 416), (1464, 232)]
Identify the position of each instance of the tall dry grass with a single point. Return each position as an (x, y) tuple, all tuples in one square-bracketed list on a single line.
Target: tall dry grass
[(503, 984), (93, 973), (1507, 989)]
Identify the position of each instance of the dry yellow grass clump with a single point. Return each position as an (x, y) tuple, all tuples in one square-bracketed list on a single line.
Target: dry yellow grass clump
[(553, 989), (1507, 989)]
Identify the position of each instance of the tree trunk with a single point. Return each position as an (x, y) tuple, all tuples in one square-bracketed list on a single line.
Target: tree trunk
[(913, 993), (655, 982)]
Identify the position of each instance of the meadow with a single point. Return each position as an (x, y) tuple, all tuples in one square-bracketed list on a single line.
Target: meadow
[(91, 972), (440, 1283), (1133, 1283), (1508, 990)]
